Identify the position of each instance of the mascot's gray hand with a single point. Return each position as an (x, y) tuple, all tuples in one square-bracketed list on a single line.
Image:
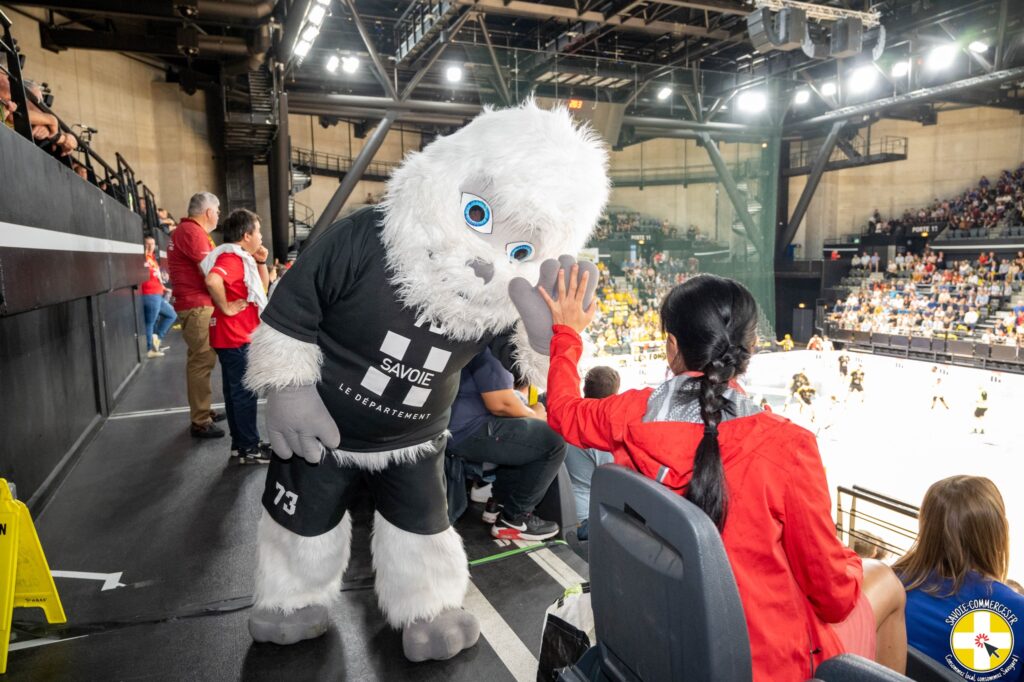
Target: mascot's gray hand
[(299, 423), (534, 311)]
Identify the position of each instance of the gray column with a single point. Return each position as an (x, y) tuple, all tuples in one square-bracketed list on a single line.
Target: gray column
[(279, 174)]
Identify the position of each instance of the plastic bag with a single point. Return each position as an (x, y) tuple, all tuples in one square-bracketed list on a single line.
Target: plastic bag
[(568, 632)]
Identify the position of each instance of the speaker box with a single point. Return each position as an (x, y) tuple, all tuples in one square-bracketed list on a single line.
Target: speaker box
[(847, 38), (783, 31)]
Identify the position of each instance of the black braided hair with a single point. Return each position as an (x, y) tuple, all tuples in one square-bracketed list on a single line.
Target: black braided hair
[(714, 321)]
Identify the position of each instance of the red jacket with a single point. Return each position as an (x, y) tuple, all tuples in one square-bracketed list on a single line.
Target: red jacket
[(793, 574)]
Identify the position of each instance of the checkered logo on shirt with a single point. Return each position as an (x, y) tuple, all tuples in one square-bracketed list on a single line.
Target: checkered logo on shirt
[(394, 367)]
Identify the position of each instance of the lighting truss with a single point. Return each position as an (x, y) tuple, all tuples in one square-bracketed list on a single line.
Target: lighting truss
[(822, 13)]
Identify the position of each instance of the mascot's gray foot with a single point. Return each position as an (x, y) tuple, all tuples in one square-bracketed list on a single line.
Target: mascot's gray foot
[(442, 637), (267, 625)]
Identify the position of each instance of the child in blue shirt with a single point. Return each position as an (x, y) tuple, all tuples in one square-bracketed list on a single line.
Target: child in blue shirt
[(959, 610)]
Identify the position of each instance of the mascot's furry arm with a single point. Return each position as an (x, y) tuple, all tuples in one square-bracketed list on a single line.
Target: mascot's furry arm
[(297, 419), (532, 335)]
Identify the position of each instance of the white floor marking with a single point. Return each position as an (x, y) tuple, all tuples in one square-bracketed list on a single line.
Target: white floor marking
[(110, 580), (31, 643), (516, 656)]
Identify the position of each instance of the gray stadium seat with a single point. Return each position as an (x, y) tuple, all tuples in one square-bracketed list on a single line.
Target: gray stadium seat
[(851, 668), (665, 601), (922, 668)]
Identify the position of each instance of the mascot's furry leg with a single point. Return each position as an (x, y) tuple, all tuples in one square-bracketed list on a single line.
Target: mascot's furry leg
[(421, 582), (297, 580)]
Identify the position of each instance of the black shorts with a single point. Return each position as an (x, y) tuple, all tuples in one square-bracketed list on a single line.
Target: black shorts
[(310, 499), (857, 387), (979, 412)]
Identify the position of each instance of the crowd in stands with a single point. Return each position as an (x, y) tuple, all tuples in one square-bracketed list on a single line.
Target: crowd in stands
[(985, 206), (629, 302), (928, 295), (618, 223)]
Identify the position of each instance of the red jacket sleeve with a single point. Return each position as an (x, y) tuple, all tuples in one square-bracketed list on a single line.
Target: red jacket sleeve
[(194, 244), (584, 422), (829, 574)]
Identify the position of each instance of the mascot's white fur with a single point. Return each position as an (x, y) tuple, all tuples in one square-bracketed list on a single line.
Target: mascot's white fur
[(460, 221)]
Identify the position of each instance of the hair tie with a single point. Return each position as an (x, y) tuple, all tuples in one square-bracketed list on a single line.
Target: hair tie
[(710, 430)]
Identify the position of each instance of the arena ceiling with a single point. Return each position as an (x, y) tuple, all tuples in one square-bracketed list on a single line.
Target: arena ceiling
[(663, 60)]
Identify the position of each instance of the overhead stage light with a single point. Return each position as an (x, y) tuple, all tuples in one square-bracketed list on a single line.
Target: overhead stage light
[(863, 78), (316, 15), (900, 69), (664, 93), (332, 63), (828, 89), (752, 101), (802, 96), (978, 46), (302, 48), (942, 57), (310, 34), (453, 74), (350, 64), (326, 3)]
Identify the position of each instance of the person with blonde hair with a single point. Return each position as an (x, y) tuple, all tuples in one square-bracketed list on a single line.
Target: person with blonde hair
[(960, 611)]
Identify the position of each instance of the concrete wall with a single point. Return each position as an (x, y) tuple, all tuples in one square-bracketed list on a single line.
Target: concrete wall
[(307, 133), (159, 130), (942, 161)]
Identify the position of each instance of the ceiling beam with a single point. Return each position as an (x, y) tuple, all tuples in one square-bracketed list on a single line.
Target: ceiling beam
[(935, 92), (520, 8), (722, 6)]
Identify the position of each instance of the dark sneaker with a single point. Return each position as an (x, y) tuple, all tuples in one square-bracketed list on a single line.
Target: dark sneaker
[(583, 532), (254, 455), (523, 527), (208, 431), (491, 511), (217, 416)]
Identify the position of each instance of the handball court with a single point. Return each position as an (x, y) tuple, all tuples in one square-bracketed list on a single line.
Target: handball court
[(167, 526)]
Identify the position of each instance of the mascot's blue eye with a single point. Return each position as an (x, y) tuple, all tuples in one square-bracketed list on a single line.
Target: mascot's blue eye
[(477, 213), (519, 252)]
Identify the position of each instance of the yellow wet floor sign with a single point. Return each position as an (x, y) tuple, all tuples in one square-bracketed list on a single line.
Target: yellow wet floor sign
[(25, 578)]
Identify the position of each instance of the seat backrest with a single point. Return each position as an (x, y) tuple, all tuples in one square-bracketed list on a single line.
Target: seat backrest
[(923, 668), (851, 668), (665, 601)]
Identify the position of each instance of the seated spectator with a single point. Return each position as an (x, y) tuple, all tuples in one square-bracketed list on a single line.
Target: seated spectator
[(868, 546), (762, 483), (237, 278), (490, 424), (157, 312), (960, 611), (599, 383)]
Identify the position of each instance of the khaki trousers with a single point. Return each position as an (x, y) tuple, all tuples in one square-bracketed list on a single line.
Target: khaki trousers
[(195, 328)]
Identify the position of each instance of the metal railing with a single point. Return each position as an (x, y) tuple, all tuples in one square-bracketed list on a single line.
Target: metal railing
[(312, 161), (119, 182), (802, 154), (875, 519)]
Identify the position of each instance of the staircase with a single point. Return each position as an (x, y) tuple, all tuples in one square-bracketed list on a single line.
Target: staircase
[(302, 221), (250, 115), (753, 208)]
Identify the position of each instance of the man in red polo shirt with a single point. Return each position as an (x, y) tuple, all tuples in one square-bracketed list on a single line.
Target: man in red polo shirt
[(237, 278), (190, 243)]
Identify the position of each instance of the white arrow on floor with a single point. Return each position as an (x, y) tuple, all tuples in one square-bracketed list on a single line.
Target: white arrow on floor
[(110, 580)]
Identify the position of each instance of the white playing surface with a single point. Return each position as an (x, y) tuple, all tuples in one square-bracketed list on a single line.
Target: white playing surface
[(892, 442)]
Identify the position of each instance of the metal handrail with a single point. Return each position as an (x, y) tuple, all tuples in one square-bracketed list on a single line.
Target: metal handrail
[(114, 179)]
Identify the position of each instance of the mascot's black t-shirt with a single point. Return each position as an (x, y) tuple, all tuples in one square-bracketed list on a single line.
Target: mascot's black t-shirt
[(388, 378)]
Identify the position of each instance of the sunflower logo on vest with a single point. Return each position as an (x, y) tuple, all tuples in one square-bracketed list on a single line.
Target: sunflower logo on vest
[(982, 638)]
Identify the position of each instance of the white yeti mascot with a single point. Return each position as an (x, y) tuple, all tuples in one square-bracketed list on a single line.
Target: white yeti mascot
[(360, 351)]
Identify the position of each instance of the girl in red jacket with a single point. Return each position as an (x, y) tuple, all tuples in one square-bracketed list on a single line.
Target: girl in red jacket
[(758, 476)]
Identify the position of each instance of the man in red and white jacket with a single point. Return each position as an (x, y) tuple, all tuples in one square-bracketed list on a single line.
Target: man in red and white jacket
[(237, 279), (190, 243)]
